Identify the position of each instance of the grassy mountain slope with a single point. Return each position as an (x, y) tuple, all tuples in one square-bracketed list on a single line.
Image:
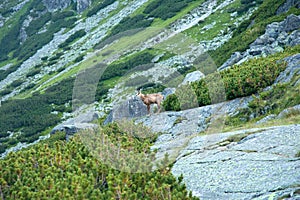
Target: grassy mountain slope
[(38, 98), (47, 86)]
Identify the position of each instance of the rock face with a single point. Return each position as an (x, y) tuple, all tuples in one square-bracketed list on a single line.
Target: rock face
[(292, 69), (82, 5), (53, 5), (277, 36), (131, 108), (179, 127), (80, 122), (263, 165), (287, 5)]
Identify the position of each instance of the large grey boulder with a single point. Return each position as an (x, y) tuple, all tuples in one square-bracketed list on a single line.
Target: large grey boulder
[(295, 110), (167, 91), (291, 23), (128, 109), (292, 69), (78, 123), (287, 5), (235, 57), (263, 165), (192, 77)]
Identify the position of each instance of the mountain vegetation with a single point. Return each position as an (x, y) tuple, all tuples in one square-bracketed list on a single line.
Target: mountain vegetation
[(42, 95), (58, 169)]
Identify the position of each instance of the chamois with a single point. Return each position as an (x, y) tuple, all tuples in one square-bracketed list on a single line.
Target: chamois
[(149, 99)]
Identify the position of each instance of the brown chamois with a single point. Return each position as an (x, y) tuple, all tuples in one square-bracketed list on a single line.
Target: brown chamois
[(149, 99)]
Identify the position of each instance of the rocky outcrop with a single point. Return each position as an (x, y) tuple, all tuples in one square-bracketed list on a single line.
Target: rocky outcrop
[(53, 5), (277, 36), (77, 123), (260, 164), (287, 5), (179, 127), (292, 69), (82, 5), (128, 109)]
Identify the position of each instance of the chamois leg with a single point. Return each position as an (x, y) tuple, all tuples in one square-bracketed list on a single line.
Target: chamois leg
[(148, 108), (158, 106)]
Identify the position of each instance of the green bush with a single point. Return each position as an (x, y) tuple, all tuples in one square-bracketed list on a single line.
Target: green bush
[(98, 7), (37, 24), (171, 103), (73, 37), (251, 77), (202, 92), (62, 15), (128, 23), (165, 9), (238, 81), (33, 72)]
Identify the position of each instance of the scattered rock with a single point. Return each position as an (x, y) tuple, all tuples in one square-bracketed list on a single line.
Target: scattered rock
[(276, 37)]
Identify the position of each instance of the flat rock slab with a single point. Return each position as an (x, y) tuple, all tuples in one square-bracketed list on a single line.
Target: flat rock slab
[(263, 165)]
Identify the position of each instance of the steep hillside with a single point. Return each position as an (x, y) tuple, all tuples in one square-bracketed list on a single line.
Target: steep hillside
[(72, 66)]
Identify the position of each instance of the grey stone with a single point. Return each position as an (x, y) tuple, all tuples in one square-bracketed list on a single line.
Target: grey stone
[(81, 122), (282, 38), (177, 128), (167, 91), (291, 23), (294, 38), (293, 67), (293, 110), (287, 5), (53, 5), (192, 77), (83, 5), (259, 167), (128, 109), (266, 119), (235, 57), (276, 37)]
